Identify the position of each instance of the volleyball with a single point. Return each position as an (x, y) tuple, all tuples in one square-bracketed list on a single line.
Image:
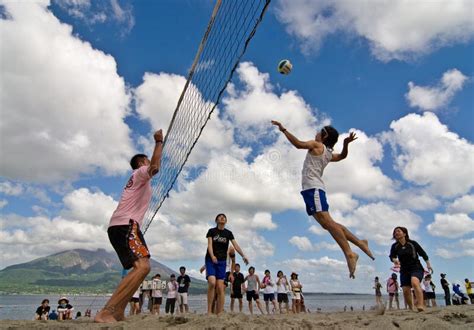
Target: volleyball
[(285, 66)]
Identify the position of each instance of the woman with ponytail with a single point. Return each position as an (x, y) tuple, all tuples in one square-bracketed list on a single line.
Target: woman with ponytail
[(320, 153)]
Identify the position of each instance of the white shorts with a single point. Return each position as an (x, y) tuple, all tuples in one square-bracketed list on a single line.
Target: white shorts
[(296, 295), (183, 298)]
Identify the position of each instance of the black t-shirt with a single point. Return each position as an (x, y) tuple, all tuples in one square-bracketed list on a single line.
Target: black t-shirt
[(220, 242), (445, 285), (408, 255), (183, 282), (43, 310), (238, 280)]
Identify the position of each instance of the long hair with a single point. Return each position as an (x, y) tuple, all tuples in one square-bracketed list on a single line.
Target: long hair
[(329, 136), (402, 229)]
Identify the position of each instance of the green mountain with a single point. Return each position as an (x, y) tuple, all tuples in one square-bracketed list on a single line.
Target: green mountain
[(74, 271)]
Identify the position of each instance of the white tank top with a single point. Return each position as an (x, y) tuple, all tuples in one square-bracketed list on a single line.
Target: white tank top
[(313, 168)]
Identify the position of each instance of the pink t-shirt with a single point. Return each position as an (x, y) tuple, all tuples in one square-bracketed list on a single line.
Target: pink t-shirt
[(391, 286), (135, 199)]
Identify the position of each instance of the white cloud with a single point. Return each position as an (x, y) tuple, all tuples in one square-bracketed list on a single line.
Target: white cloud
[(451, 225), (11, 189), (418, 200), (361, 175), (89, 207), (332, 275), (304, 244), (462, 248), (3, 203), (464, 204), (428, 154), (54, 111), (25, 238), (96, 12), (376, 221), (317, 230), (400, 29), (434, 98), (301, 242)]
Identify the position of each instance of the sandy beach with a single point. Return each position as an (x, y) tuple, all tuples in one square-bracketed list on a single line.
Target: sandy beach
[(459, 317)]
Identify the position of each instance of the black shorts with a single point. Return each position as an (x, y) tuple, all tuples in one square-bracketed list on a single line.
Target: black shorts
[(252, 295), (282, 297), (393, 294), (430, 295), (236, 294), (134, 300), (268, 296), (405, 277), (128, 242), (157, 300)]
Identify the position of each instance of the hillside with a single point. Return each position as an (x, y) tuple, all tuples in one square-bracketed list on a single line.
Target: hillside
[(74, 271)]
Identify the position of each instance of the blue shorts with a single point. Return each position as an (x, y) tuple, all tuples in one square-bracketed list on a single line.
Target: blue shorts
[(315, 200), (405, 277), (216, 270)]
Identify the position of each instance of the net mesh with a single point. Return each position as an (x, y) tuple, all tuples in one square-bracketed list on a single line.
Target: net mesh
[(230, 29)]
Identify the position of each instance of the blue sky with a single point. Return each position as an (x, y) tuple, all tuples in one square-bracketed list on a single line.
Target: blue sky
[(84, 83)]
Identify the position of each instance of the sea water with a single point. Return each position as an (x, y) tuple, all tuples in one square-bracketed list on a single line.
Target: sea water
[(23, 307)]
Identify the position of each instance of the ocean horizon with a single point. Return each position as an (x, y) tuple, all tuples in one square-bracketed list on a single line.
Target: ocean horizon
[(23, 306)]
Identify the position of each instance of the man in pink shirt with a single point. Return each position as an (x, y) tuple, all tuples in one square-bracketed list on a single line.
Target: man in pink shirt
[(125, 235)]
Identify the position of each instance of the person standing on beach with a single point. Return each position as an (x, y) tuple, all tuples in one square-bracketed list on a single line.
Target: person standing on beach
[(404, 252), (392, 290), (135, 303), (429, 295), (320, 153), (125, 234), (445, 286), (282, 291), (218, 239), (236, 292), (183, 282), (378, 292), (468, 284), (172, 288), (296, 287), (157, 294), (252, 290), (268, 291)]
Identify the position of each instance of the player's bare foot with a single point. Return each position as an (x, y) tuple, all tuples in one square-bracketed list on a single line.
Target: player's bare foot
[(352, 264), (420, 308), (365, 248), (104, 316)]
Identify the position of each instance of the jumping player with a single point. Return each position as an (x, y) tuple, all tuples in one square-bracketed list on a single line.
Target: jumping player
[(320, 153), (125, 235)]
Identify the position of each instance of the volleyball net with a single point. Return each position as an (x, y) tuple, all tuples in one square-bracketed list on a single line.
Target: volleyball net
[(231, 28)]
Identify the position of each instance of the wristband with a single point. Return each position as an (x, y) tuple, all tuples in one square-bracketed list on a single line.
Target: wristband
[(283, 131), (159, 141)]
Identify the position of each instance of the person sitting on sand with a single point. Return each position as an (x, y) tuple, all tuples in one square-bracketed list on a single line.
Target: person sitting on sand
[(42, 312), (320, 153), (296, 287), (252, 289), (404, 252), (65, 310), (282, 291), (392, 290), (218, 239)]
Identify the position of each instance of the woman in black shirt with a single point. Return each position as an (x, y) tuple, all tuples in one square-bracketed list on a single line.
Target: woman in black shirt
[(42, 312), (218, 239), (405, 253)]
